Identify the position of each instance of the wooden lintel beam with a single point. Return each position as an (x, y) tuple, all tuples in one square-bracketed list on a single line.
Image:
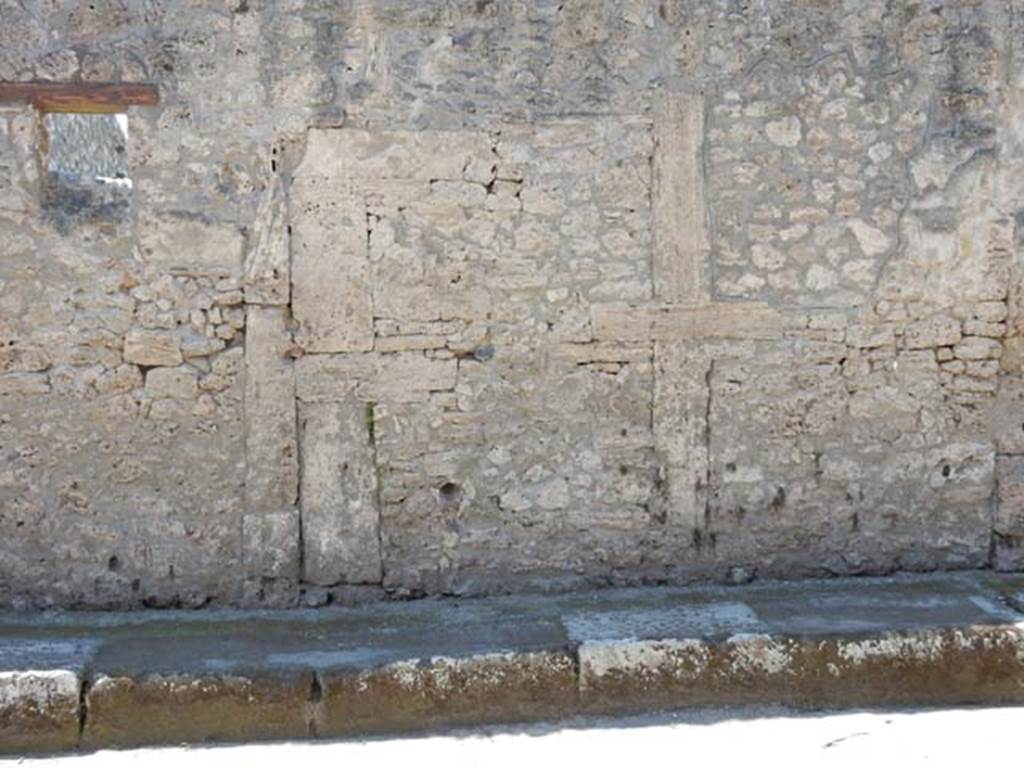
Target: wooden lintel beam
[(81, 97)]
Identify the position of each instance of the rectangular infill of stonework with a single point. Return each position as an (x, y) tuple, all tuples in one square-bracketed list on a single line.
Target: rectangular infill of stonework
[(445, 279)]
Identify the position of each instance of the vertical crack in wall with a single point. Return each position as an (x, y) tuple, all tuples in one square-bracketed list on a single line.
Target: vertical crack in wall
[(710, 223), (299, 456), (573, 649), (314, 705), (370, 218), (652, 405), (659, 501), (652, 214), (371, 429), (83, 705), (993, 511), (708, 375), (300, 460), (371, 406)]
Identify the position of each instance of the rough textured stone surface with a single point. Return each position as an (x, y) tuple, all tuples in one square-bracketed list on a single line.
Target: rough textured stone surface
[(635, 291)]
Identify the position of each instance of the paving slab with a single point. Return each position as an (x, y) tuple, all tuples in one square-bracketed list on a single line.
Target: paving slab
[(90, 680)]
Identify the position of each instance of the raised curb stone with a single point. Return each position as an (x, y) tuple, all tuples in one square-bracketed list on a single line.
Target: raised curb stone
[(170, 709), (419, 694), (39, 710)]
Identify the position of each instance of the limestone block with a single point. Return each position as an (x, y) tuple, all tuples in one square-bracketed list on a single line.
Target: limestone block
[(983, 369), (784, 132), (983, 311), (229, 298), (427, 303), (408, 343), (200, 346), (340, 518), (152, 348), (866, 336), (123, 378), (423, 155), (978, 348), (24, 384), (979, 328), (23, 358), (270, 544), (403, 377), (939, 331), (270, 443), (178, 383), (624, 322), (268, 265), (971, 385), (331, 295)]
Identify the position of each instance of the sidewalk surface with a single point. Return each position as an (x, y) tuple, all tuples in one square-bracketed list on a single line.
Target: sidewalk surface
[(93, 680)]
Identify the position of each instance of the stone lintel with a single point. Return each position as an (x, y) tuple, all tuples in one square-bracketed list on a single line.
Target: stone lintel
[(402, 377), (355, 153), (625, 322)]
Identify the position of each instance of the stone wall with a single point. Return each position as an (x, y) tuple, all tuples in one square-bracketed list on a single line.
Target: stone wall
[(460, 296)]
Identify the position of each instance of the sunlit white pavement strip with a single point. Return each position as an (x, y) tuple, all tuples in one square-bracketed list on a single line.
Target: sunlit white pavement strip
[(758, 737)]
